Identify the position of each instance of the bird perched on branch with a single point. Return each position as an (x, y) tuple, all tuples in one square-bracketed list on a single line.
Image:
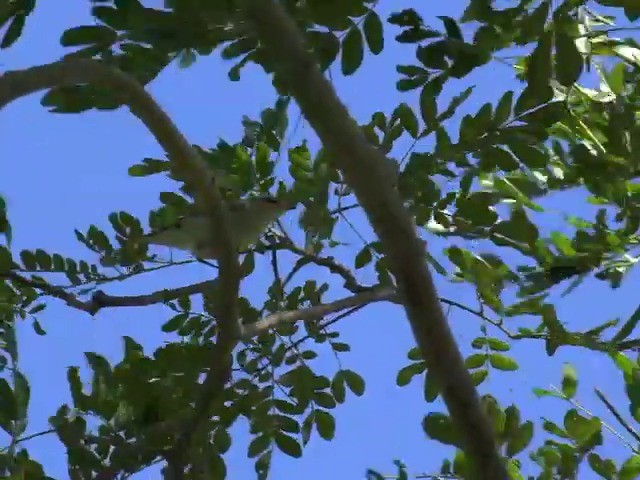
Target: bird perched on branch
[(248, 219)]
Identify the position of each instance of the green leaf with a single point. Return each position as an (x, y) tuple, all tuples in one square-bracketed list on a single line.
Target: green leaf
[(439, 426), (476, 360), (428, 107), (354, 381), (626, 329), (373, 32), (352, 51), (28, 260), (22, 393), (479, 376), (502, 362), (630, 468), (325, 424), (579, 428), (88, 34), (407, 373), (451, 27), (37, 327), (259, 444), (509, 190), (604, 468), (498, 345), (616, 78), (408, 119), (337, 387), (326, 47), (288, 445), (520, 439), (13, 31), (569, 380), (539, 64), (531, 98), (363, 257), (568, 60), (503, 109), (431, 388), (175, 323), (8, 406), (6, 262)]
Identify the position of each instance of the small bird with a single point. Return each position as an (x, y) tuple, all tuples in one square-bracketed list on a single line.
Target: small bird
[(248, 219)]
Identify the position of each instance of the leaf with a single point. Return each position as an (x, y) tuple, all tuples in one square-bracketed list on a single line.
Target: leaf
[(354, 381), (325, 424), (288, 445), (539, 64), (479, 376), (6, 262), (581, 429), (326, 47), (439, 426), (616, 78), (431, 388), (475, 360), (498, 345), (503, 109), (568, 60), (569, 380), (259, 444), (604, 468), (451, 27), (502, 362), (373, 32), (88, 34), (428, 107), (408, 119), (13, 31), (626, 329), (352, 51), (363, 257), (630, 468), (509, 190), (520, 439), (407, 373)]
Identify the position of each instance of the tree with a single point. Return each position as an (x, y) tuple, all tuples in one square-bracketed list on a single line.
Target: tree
[(230, 358)]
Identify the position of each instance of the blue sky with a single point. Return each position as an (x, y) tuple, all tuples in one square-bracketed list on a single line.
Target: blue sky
[(68, 172)]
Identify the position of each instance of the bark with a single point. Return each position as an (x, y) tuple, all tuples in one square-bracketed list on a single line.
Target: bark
[(365, 169)]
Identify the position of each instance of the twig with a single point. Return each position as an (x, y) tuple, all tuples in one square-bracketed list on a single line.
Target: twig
[(364, 168), (617, 415), (350, 281), (607, 427)]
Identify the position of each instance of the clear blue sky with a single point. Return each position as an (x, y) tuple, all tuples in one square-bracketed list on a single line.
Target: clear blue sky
[(66, 172)]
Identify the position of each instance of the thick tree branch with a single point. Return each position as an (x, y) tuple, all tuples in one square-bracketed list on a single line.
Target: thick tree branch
[(186, 165), (365, 170)]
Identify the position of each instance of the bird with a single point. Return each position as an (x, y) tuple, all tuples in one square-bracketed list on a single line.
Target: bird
[(247, 220)]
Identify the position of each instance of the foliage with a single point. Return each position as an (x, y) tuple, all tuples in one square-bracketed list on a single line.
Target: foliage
[(483, 182)]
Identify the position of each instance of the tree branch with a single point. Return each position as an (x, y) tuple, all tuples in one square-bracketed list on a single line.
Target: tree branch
[(350, 281), (100, 300), (186, 165), (365, 170), (317, 311)]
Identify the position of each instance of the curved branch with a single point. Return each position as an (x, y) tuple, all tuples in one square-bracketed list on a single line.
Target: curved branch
[(186, 165), (365, 170)]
